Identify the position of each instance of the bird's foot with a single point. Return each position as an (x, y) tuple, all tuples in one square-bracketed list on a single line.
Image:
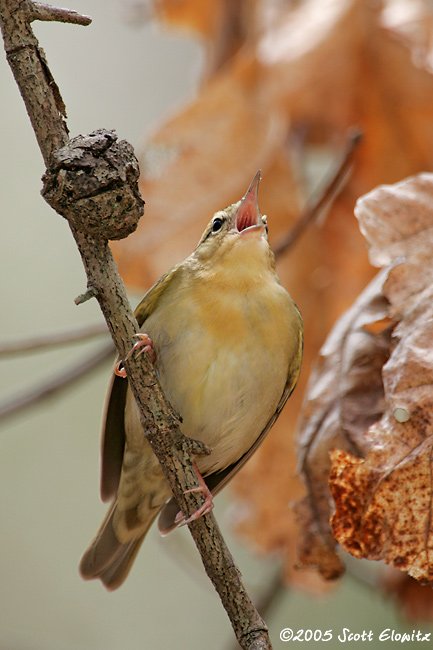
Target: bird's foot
[(119, 370), (144, 344), (204, 509)]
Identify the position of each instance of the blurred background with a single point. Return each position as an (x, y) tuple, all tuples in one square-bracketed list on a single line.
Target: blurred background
[(203, 118)]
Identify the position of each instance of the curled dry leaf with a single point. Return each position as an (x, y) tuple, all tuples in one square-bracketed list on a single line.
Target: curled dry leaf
[(377, 421), (412, 22), (344, 397), (397, 224), (223, 25), (335, 65), (384, 502)]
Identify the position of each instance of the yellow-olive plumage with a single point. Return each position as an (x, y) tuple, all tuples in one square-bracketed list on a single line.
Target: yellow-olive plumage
[(228, 344)]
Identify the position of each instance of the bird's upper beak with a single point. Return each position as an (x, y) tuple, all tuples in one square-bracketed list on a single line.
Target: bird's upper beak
[(247, 219)]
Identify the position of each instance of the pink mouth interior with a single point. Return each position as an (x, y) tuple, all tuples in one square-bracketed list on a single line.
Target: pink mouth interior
[(245, 220)]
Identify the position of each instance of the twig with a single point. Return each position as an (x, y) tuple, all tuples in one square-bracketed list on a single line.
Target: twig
[(53, 339), (88, 295), (104, 204), (42, 11), (331, 190), (273, 590), (56, 383)]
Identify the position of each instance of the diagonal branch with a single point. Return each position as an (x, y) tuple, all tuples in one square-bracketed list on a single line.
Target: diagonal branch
[(52, 340), (57, 382), (329, 193), (92, 182)]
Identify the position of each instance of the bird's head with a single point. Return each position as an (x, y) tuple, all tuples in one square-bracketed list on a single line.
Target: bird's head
[(237, 235)]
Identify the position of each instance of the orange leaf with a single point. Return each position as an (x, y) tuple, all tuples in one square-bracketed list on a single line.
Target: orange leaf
[(384, 503), (344, 396)]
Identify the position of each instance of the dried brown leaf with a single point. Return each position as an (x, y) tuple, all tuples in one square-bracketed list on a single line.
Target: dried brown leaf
[(345, 396), (412, 22), (397, 223), (335, 64), (223, 25), (201, 16), (384, 503)]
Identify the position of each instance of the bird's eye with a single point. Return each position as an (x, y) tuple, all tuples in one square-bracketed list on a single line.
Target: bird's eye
[(217, 224)]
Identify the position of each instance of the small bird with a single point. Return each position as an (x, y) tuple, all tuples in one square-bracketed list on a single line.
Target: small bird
[(226, 339)]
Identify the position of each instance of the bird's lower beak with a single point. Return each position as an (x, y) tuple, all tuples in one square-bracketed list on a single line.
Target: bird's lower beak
[(252, 231)]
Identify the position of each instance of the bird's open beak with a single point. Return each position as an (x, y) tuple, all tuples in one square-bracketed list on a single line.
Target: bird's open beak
[(248, 220)]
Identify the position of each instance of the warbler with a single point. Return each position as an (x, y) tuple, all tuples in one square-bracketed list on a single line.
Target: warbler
[(226, 339)]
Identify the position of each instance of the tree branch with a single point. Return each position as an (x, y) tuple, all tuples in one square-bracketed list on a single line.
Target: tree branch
[(92, 182), (42, 11), (52, 340), (328, 194), (57, 382)]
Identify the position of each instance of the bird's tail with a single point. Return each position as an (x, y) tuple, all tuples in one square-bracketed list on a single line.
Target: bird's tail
[(109, 559)]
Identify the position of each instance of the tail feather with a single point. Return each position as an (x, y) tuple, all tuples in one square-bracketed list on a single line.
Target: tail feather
[(116, 573), (109, 559)]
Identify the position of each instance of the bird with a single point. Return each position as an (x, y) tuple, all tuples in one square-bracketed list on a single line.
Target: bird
[(226, 340)]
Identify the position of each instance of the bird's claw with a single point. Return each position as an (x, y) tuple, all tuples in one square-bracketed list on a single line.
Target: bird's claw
[(204, 509), (119, 370), (144, 344)]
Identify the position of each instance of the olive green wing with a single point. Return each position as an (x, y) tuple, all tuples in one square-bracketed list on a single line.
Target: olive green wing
[(218, 480), (147, 305), (113, 426)]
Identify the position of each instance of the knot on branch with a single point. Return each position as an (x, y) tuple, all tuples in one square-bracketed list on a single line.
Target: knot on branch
[(93, 182)]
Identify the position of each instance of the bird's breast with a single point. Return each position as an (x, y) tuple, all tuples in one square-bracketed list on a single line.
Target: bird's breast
[(222, 357)]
